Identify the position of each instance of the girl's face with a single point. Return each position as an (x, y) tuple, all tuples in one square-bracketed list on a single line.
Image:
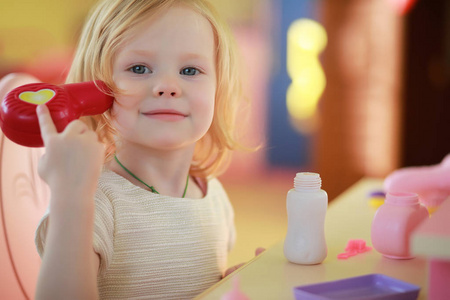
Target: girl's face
[(166, 71)]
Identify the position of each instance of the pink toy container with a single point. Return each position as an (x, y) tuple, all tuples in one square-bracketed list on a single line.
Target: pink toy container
[(393, 223)]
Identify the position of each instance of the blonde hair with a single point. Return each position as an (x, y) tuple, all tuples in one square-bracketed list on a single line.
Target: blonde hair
[(105, 32)]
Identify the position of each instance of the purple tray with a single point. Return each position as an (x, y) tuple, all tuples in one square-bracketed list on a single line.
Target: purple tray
[(367, 287)]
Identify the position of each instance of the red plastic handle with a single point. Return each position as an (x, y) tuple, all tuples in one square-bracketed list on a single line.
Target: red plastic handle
[(18, 119)]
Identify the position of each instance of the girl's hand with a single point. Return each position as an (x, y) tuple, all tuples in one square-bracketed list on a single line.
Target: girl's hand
[(73, 159), (258, 251)]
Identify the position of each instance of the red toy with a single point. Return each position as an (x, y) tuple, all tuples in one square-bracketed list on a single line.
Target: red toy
[(18, 119)]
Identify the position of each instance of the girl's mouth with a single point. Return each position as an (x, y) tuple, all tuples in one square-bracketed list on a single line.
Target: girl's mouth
[(165, 115)]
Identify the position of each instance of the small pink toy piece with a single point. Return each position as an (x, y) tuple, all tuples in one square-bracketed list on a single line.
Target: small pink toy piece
[(235, 293), (431, 183), (353, 248)]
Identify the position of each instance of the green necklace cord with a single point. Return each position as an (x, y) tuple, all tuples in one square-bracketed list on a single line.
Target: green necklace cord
[(150, 187)]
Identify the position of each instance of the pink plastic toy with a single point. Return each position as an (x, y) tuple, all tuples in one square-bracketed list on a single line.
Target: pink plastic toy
[(394, 222), (353, 248), (18, 119), (431, 183)]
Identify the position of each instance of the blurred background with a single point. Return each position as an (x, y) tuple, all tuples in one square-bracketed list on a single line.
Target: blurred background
[(382, 102)]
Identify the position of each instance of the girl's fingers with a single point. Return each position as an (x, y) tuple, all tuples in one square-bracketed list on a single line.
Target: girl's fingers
[(46, 124), (48, 128), (232, 269), (259, 250), (77, 127)]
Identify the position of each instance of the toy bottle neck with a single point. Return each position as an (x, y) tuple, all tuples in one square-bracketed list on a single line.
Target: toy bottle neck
[(307, 181), (402, 199)]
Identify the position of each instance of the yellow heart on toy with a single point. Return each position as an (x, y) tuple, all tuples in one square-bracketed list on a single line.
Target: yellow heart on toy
[(39, 97)]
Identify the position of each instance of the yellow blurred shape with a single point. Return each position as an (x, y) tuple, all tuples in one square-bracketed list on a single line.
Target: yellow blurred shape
[(306, 40), (30, 28), (308, 35), (304, 93), (432, 209), (376, 202)]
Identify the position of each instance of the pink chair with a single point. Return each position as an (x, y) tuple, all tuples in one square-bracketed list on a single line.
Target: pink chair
[(23, 200)]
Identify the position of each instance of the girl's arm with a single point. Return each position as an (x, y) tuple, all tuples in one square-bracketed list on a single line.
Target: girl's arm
[(69, 265), (71, 167)]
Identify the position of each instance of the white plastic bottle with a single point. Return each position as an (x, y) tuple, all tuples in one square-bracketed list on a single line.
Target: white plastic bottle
[(306, 209)]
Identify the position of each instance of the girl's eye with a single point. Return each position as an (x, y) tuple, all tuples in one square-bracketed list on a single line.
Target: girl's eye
[(139, 69), (190, 71)]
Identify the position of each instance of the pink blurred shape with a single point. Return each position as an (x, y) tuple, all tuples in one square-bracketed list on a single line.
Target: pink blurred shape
[(432, 239), (431, 183), (23, 200), (50, 66), (235, 293), (402, 7)]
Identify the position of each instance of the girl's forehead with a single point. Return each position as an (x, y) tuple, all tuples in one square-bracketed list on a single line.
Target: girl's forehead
[(178, 30), (177, 19)]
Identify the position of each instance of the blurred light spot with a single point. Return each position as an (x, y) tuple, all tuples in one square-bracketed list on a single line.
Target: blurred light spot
[(402, 7), (306, 40)]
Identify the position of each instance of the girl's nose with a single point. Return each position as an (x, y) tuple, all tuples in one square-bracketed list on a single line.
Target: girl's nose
[(166, 88)]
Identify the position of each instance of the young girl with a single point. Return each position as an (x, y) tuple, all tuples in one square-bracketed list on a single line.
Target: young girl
[(152, 221)]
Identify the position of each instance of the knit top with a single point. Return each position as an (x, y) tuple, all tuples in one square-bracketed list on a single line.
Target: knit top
[(153, 246)]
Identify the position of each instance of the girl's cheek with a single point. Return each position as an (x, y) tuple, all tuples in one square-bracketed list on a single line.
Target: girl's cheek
[(130, 98), (132, 91), (123, 118), (125, 102)]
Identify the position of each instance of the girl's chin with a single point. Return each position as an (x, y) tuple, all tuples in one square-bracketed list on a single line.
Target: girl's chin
[(170, 145), (162, 140)]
